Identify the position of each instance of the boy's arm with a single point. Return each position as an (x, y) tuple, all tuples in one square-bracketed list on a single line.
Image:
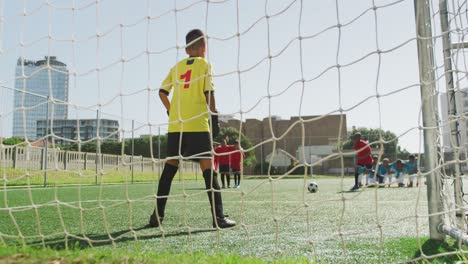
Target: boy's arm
[(368, 151), (166, 87), (163, 95), (209, 89), (210, 101)]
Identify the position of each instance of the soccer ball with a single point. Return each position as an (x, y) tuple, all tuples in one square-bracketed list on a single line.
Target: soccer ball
[(312, 187)]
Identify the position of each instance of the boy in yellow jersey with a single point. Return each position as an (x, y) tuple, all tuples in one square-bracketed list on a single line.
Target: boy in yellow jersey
[(189, 130)]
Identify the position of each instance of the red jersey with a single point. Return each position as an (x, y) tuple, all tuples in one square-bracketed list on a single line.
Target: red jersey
[(364, 154), (236, 160), (222, 159)]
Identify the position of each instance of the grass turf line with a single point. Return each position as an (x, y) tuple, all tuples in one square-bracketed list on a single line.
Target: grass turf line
[(97, 213), (407, 248)]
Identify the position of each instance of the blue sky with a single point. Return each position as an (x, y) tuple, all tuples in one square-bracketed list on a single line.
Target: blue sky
[(122, 88)]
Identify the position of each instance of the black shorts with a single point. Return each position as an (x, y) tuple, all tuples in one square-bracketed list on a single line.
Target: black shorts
[(224, 168), (193, 145)]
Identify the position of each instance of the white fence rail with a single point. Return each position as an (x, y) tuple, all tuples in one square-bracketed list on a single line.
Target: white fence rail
[(33, 158)]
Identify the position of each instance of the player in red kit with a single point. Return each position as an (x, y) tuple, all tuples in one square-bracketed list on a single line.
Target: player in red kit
[(363, 157), (237, 159), (223, 162)]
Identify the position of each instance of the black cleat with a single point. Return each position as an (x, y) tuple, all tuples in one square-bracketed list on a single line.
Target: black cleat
[(224, 223), (153, 222)]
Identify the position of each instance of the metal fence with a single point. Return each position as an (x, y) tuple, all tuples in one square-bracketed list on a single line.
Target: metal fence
[(40, 158)]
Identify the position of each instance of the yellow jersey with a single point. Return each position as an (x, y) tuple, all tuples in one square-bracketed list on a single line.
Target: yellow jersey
[(190, 79)]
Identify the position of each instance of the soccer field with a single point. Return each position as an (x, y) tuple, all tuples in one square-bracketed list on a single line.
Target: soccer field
[(275, 218)]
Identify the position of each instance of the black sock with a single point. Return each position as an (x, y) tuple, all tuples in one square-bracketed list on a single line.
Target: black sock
[(211, 182), (228, 178), (222, 179), (238, 179), (164, 187), (356, 178)]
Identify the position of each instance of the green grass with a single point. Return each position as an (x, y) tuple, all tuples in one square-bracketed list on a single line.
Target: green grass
[(34, 255), (35, 177), (400, 249), (279, 221), (429, 250)]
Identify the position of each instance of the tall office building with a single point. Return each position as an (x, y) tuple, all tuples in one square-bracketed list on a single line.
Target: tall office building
[(36, 80)]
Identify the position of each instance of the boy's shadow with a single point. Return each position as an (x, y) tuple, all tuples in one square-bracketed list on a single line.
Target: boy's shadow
[(81, 241), (432, 247)]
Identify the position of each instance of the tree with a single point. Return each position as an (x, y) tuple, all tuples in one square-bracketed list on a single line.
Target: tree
[(13, 141), (231, 135), (390, 142), (141, 147)]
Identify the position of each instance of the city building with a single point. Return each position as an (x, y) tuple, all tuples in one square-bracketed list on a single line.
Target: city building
[(291, 135), (35, 80), (83, 129)]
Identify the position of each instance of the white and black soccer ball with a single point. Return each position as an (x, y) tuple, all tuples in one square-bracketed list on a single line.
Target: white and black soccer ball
[(312, 187)]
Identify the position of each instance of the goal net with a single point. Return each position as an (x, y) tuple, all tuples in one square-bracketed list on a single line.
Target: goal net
[(84, 134)]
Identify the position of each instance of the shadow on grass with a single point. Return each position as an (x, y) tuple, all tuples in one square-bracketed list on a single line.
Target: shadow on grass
[(195, 189), (433, 247), (82, 241), (370, 188), (350, 191)]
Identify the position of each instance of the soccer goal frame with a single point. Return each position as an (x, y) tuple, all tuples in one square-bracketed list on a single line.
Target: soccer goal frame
[(438, 226)]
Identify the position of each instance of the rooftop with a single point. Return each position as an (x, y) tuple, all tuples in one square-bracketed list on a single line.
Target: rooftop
[(51, 59)]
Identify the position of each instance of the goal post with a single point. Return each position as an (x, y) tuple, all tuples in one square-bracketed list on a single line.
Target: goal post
[(429, 114), (452, 115), (440, 210)]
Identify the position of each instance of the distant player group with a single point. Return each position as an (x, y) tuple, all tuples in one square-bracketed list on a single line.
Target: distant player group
[(388, 173), (384, 173), (229, 160)]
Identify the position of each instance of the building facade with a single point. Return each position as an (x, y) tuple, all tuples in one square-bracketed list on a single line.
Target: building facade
[(68, 130), (35, 80), (290, 135)]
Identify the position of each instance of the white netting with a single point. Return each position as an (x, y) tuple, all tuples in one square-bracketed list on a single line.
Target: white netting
[(295, 77)]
